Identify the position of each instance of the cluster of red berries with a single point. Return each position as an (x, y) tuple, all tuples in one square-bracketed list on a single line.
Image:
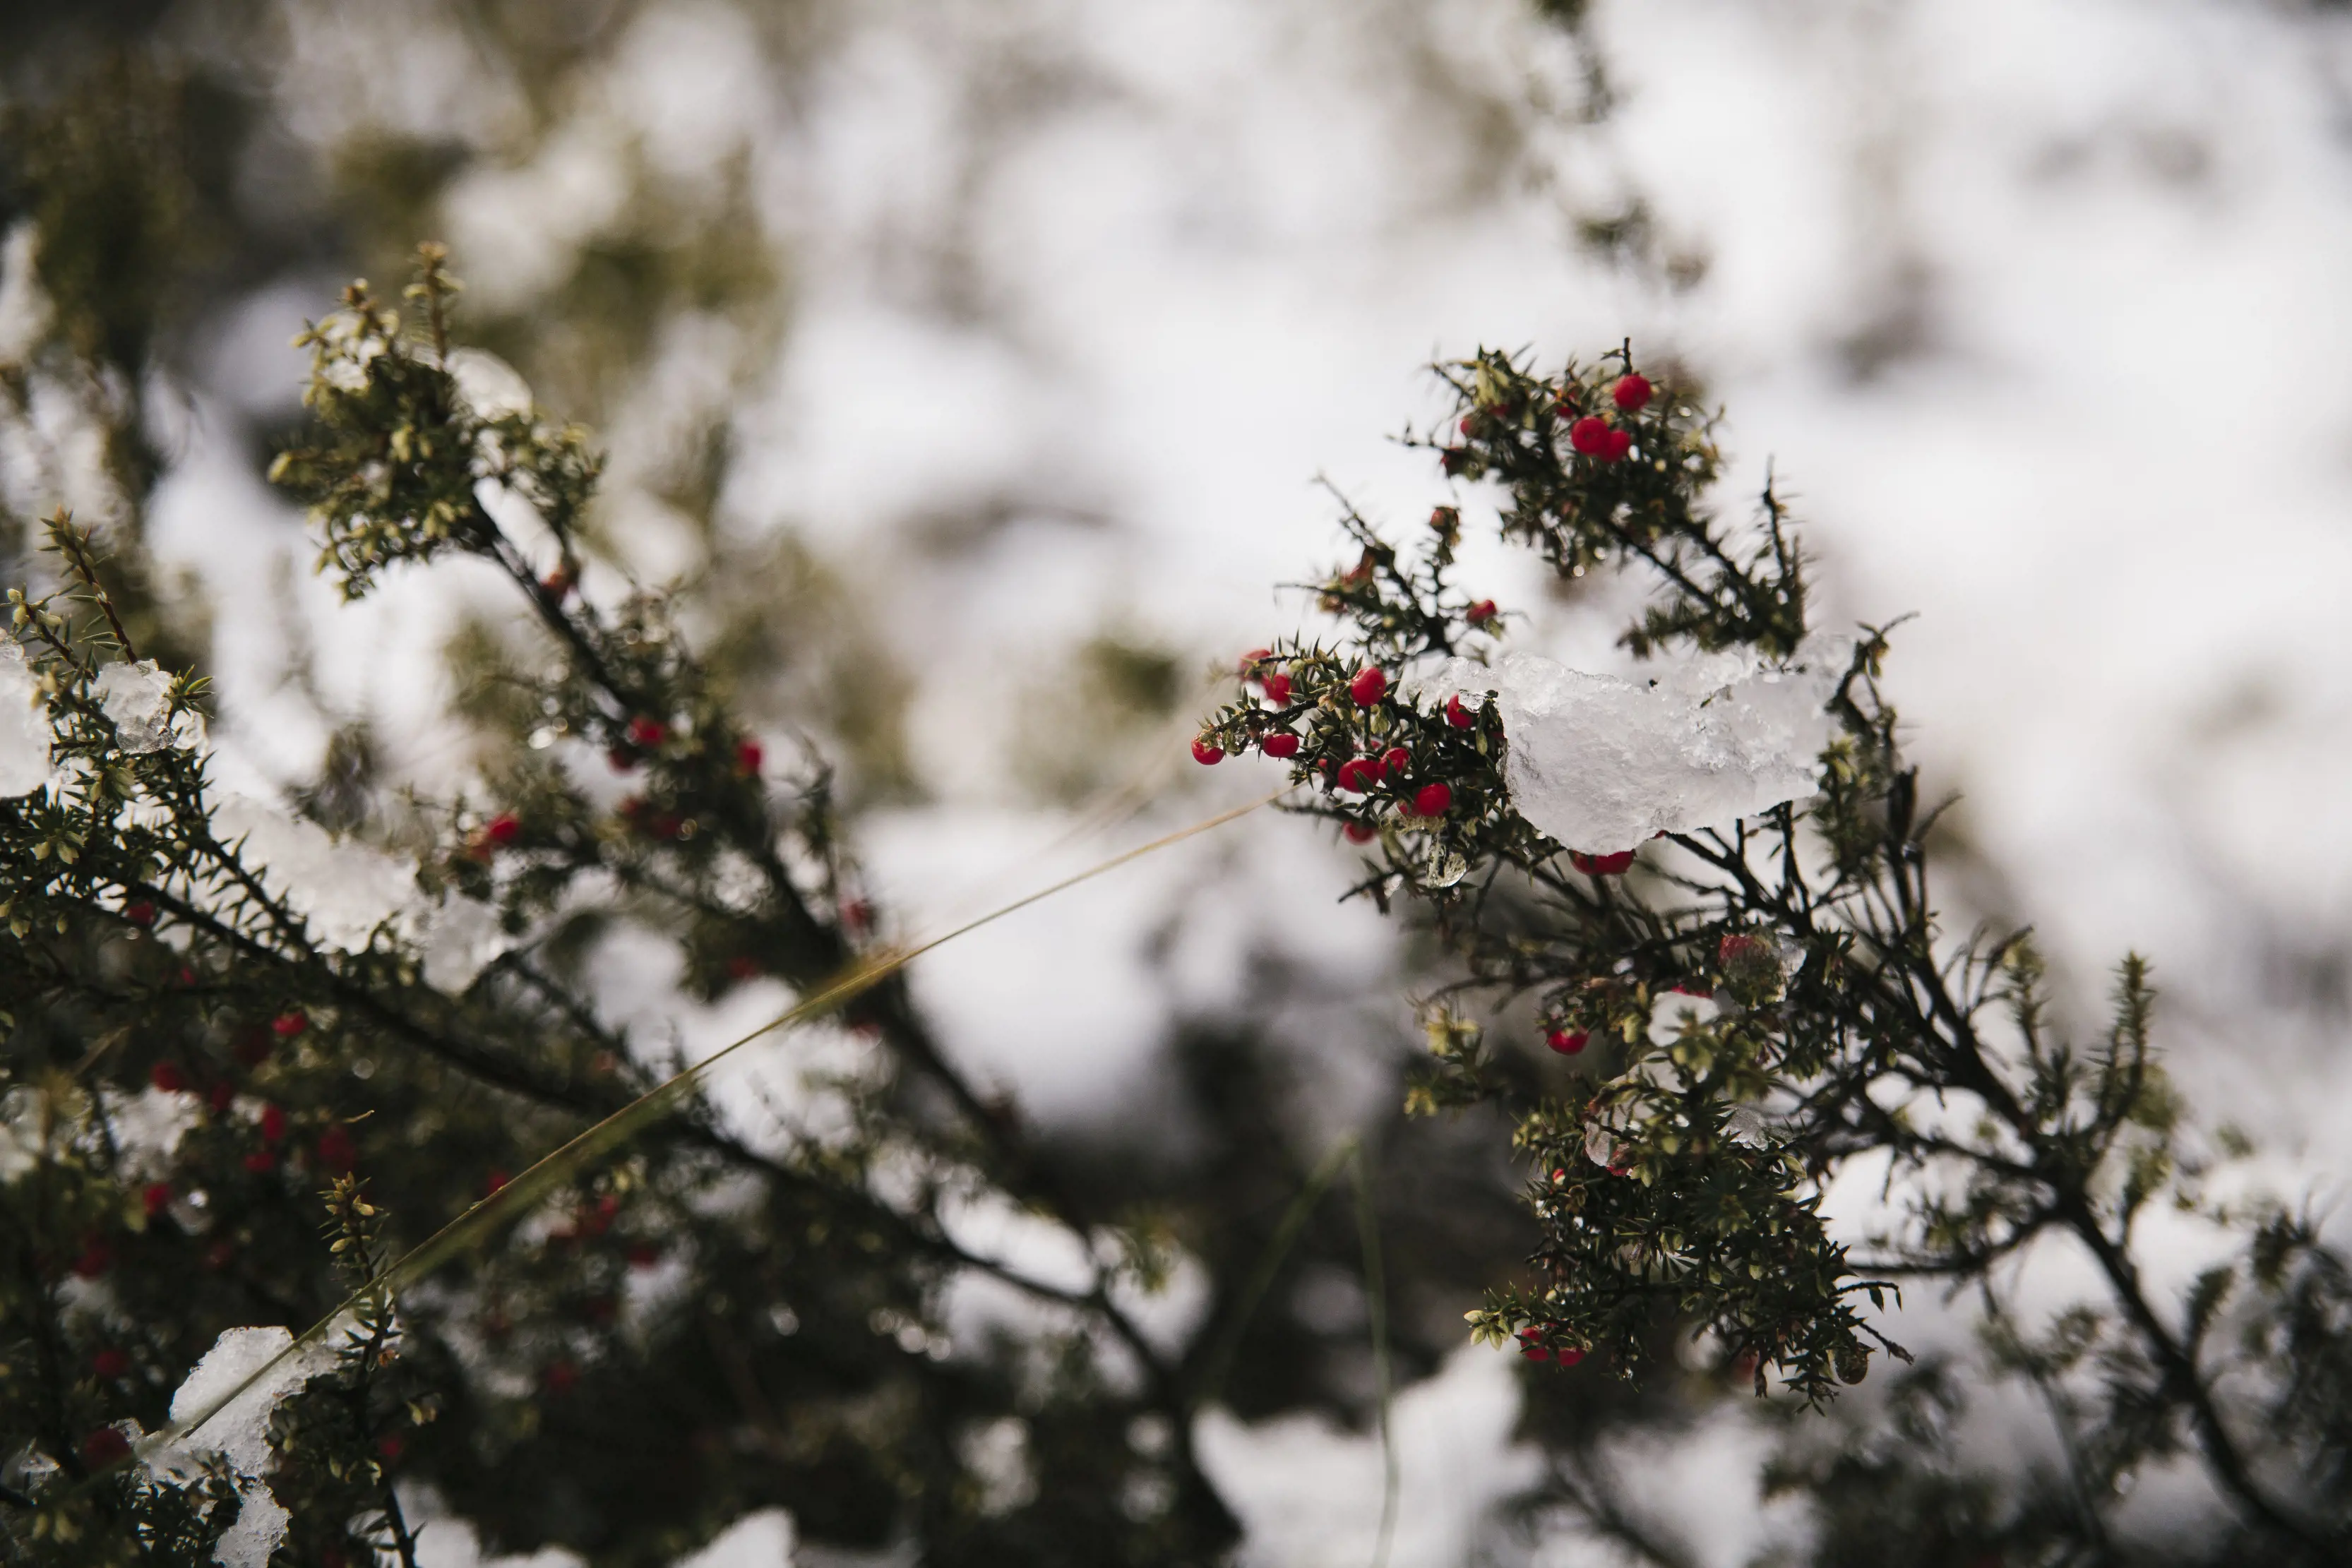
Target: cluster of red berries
[(1532, 1347), (1592, 436), (1602, 865)]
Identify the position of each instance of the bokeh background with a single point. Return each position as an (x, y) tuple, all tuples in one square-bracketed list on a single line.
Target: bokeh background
[(971, 365)]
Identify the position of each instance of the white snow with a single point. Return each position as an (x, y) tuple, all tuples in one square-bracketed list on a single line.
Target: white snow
[(1676, 1012), (464, 938), (1602, 763), (240, 1430), (138, 698), (763, 1539), (24, 727), (346, 889)]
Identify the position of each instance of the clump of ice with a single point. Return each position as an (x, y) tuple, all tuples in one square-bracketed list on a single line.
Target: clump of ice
[(138, 699), (345, 889), (240, 1430), (1600, 763), (147, 1127), (1674, 1013), (464, 936), (24, 726)]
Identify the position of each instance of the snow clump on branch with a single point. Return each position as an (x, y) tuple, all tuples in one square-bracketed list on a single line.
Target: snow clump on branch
[(1600, 763)]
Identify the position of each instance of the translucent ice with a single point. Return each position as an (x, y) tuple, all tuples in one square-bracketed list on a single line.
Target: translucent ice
[(240, 1430), (24, 727), (1600, 763), (345, 889), (138, 698)]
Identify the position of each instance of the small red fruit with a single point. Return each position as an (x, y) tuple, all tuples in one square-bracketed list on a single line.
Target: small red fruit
[(1252, 660), (252, 1045), (645, 733), (139, 912), (223, 1095), (289, 1025), (156, 1198), (742, 966), (1535, 1353), (492, 1182), (1588, 435), (1569, 1358), (1369, 686), (273, 1124), (109, 1364), (1281, 743), (336, 1149), (749, 755), (1566, 1041), (1432, 800), (1738, 949), (1457, 716), (558, 584), (560, 1377), (1631, 393), (391, 1447), (1206, 755), (642, 1255), (1615, 446), (105, 1446), (622, 758), (1395, 759), (167, 1076), (261, 1162), (1358, 833), (1602, 865), (96, 1258), (1359, 773), (1277, 689), (502, 828), (1481, 612), (855, 913)]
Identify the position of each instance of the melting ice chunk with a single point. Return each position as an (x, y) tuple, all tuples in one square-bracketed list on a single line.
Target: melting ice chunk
[(138, 698), (1600, 763), (24, 727)]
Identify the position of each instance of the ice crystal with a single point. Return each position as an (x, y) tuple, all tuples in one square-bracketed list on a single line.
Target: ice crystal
[(1600, 763), (138, 699)]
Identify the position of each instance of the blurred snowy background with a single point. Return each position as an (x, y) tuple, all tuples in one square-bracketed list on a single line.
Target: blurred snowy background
[(1027, 324)]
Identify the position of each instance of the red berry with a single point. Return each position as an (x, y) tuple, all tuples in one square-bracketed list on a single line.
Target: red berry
[(560, 1377), (139, 912), (622, 759), (156, 1198), (1253, 659), (645, 733), (502, 828), (1432, 800), (1395, 759), (1632, 394), (1482, 612), (289, 1025), (1614, 447), (96, 1258), (1358, 833), (253, 1045), (273, 1124), (1568, 1042), (336, 1149), (1535, 1353), (642, 1255), (742, 968), (167, 1076), (749, 755), (1452, 459), (1739, 947), (1277, 689), (1602, 865), (261, 1162), (492, 1182), (223, 1095), (1206, 755), (1368, 687), (109, 1364), (1569, 1358), (855, 914), (1281, 743), (105, 1446), (1457, 716), (1588, 435), (1359, 773), (391, 1447)]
